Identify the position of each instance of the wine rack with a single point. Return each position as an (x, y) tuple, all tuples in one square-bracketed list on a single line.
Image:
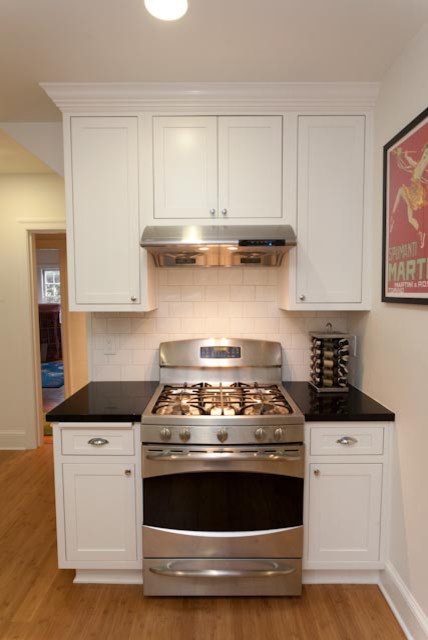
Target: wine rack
[(329, 361)]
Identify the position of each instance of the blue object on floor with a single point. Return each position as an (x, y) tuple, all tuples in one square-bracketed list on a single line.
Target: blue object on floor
[(52, 375)]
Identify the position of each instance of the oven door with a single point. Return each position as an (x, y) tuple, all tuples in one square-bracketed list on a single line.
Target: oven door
[(210, 502)]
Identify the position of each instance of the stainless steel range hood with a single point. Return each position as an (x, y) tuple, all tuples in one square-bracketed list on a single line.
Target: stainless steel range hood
[(218, 246)]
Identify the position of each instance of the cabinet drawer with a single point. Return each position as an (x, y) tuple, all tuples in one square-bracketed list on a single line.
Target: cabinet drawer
[(346, 441), (97, 442)]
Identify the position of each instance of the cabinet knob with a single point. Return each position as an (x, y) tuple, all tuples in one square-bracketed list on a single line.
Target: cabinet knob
[(134, 298), (317, 472), (302, 297), (128, 472), (97, 442), (212, 212), (224, 212), (347, 440)]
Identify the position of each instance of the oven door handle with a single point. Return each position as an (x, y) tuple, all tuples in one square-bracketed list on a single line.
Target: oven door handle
[(213, 457), (168, 570)]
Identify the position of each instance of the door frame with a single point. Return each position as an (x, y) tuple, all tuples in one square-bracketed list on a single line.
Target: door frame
[(32, 229)]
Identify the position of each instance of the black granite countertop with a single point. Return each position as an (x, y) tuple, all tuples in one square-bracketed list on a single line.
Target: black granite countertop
[(348, 406), (126, 401), (105, 402)]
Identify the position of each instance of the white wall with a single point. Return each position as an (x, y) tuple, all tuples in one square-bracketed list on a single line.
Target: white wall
[(393, 358), (23, 198), (203, 303)]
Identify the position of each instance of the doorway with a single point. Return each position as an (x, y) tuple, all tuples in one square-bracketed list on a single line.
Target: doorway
[(60, 335)]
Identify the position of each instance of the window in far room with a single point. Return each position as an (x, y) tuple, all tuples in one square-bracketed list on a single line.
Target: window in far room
[(51, 285)]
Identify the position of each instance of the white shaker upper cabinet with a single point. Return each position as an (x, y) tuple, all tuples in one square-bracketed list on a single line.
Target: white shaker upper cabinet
[(250, 166), (104, 252), (185, 167), (330, 210)]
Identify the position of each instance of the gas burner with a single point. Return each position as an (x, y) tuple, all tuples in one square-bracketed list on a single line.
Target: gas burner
[(238, 398)]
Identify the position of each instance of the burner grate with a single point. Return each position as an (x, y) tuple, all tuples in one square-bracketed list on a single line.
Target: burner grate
[(238, 398)]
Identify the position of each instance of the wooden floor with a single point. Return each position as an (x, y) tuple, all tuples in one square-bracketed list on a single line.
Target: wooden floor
[(38, 602)]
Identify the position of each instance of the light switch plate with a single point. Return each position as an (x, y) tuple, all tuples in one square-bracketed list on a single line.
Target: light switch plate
[(109, 346)]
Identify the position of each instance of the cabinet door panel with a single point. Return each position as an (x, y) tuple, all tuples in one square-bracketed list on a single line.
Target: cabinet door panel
[(250, 166), (330, 209), (344, 512), (99, 512), (185, 166), (104, 166)]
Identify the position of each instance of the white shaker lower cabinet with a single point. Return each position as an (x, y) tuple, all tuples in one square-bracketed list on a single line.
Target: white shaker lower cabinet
[(330, 268), (99, 511), (344, 512), (98, 491), (345, 509), (107, 269)]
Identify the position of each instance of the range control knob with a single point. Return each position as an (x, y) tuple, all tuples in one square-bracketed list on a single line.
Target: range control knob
[(278, 434), (222, 435), (165, 434), (260, 434), (185, 434)]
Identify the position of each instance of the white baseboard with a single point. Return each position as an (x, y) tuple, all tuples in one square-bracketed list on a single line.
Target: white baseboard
[(105, 576), (336, 576), (12, 439), (409, 614)]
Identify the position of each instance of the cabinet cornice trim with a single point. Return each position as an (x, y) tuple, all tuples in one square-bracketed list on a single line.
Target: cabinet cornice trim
[(183, 97)]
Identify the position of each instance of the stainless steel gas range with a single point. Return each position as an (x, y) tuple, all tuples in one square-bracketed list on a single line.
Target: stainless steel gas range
[(223, 469)]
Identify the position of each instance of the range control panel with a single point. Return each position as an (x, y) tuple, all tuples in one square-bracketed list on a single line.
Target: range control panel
[(220, 352)]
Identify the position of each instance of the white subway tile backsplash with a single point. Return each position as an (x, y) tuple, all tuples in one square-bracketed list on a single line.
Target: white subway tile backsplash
[(205, 276), (266, 293), (168, 325), (205, 309), (169, 293), (107, 372), (242, 293), (201, 303), (217, 326), (181, 309), (180, 277), (266, 325), (145, 325), (118, 325), (217, 293), (230, 276), (123, 356), (192, 293), (145, 356), (98, 325), (131, 341)]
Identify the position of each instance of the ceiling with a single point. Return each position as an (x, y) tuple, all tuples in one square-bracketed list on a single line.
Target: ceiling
[(16, 159), (218, 40)]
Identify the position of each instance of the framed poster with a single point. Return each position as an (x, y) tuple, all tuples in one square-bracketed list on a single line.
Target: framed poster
[(405, 215)]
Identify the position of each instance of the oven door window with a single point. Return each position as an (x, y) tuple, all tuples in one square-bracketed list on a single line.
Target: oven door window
[(223, 501)]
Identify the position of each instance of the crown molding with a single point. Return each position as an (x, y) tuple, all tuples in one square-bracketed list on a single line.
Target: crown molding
[(183, 97)]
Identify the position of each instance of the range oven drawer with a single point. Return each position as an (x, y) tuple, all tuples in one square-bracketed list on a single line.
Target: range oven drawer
[(162, 543), (222, 577)]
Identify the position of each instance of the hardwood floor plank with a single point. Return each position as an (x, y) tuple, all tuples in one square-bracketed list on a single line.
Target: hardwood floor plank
[(40, 602)]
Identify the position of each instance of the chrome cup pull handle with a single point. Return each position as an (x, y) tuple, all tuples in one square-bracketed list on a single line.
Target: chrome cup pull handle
[(98, 442), (168, 570), (347, 440)]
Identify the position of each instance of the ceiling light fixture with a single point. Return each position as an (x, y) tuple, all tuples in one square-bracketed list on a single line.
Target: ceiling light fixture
[(166, 9)]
